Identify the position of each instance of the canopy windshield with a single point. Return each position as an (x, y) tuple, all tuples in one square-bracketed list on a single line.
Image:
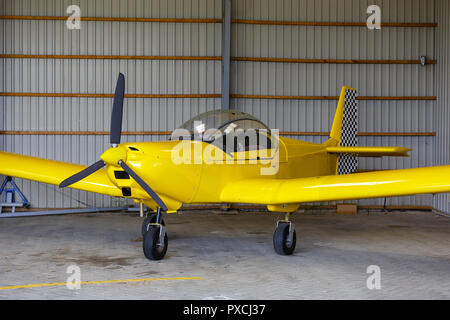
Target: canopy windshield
[(220, 122)]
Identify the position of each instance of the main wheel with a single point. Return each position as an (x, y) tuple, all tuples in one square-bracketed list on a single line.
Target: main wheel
[(281, 243), (151, 218), (153, 250)]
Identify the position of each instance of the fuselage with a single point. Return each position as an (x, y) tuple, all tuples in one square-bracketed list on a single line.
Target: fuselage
[(193, 171)]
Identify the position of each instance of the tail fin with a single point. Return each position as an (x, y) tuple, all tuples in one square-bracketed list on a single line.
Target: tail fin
[(344, 131)]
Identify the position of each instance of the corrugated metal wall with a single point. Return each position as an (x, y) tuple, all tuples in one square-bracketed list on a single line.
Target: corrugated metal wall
[(204, 39), (2, 75), (98, 76), (327, 79), (442, 201)]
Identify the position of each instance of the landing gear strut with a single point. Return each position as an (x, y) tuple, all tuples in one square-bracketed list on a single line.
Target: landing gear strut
[(285, 238), (148, 221), (155, 237)]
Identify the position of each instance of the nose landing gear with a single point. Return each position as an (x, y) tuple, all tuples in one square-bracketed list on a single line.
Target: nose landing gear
[(148, 221), (155, 241), (285, 238)]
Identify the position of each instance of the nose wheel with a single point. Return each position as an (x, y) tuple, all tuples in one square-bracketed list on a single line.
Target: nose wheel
[(155, 240), (284, 238)]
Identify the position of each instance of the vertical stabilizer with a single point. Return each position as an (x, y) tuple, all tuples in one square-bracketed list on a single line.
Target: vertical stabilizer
[(344, 131)]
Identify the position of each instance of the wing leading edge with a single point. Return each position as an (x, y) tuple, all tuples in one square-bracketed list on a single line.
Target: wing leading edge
[(53, 172), (376, 184)]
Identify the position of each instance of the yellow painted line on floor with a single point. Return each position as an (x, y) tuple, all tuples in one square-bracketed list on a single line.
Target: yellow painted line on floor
[(37, 285)]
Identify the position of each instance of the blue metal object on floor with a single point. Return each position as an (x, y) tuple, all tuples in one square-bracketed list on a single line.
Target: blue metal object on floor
[(60, 212), (10, 196), (10, 201)]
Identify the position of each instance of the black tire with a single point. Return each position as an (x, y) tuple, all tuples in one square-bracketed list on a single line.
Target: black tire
[(280, 242), (150, 244), (151, 218)]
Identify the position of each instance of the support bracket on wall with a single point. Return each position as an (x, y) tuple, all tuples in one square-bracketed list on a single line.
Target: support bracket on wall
[(423, 60)]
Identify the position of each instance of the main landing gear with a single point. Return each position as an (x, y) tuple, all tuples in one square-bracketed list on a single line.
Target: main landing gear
[(155, 237), (155, 240), (285, 238)]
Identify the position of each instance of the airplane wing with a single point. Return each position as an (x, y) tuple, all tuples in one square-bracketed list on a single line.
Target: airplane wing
[(371, 151), (53, 172), (375, 184)]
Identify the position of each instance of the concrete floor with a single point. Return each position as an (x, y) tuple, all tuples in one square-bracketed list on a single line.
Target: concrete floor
[(233, 254)]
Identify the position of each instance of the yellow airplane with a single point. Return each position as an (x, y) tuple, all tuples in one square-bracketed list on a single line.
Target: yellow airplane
[(227, 156)]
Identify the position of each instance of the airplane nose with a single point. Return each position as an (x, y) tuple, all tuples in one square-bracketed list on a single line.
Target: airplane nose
[(112, 156)]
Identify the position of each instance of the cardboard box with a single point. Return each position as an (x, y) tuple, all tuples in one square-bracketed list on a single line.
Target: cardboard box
[(347, 208)]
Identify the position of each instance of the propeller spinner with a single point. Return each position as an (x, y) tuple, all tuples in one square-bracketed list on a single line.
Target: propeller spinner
[(115, 155)]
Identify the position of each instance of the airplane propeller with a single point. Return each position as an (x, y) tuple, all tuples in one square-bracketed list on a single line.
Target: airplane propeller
[(117, 112), (82, 174), (115, 155)]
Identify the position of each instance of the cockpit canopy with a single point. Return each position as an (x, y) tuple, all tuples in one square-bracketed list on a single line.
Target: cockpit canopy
[(221, 122), (230, 130)]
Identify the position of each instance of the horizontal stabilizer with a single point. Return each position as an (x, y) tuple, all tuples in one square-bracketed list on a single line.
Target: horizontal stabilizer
[(371, 151)]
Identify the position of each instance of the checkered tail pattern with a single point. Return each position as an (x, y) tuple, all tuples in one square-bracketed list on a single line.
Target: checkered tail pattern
[(349, 135)]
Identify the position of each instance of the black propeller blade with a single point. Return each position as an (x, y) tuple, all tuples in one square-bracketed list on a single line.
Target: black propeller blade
[(117, 112), (82, 174), (114, 136), (143, 185)]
